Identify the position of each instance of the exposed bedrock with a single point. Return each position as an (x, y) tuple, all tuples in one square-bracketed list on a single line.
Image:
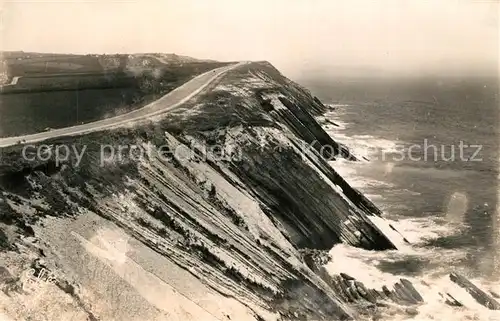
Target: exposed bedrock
[(230, 187), (351, 290), (479, 295)]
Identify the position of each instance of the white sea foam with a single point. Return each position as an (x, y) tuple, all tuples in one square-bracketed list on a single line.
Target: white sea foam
[(365, 147), (366, 266), (370, 267), (362, 146), (350, 171)]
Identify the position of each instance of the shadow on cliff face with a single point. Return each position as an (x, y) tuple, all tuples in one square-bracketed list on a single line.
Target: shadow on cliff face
[(235, 223), (322, 211)]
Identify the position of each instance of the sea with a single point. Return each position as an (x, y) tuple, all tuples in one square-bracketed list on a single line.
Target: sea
[(429, 158)]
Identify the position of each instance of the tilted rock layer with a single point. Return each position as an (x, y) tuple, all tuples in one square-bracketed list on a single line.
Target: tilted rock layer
[(230, 189)]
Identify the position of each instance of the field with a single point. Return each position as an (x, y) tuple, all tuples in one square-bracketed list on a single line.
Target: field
[(42, 72), (55, 90), (28, 64)]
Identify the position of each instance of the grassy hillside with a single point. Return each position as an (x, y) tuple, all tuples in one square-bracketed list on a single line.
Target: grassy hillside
[(63, 90)]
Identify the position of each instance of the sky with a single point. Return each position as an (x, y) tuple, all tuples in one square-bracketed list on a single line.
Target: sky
[(294, 35)]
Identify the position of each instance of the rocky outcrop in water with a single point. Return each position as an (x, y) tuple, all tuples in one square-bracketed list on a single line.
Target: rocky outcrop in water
[(479, 295)]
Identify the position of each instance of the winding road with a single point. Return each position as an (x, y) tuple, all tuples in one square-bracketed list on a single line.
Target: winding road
[(168, 102)]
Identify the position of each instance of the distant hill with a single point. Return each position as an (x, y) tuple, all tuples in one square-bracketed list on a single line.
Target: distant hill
[(20, 63)]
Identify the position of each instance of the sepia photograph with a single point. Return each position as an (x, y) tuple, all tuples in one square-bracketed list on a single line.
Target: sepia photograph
[(236, 160)]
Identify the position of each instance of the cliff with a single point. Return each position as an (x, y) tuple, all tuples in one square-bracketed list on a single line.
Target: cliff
[(231, 192)]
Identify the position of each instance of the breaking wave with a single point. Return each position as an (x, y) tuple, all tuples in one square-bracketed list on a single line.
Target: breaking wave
[(426, 266)]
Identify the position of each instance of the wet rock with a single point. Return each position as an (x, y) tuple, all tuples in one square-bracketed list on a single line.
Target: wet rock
[(479, 295), (367, 294), (347, 277), (388, 293), (411, 290), (403, 294), (495, 295), (450, 300)]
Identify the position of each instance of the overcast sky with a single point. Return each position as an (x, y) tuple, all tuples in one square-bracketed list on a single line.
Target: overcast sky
[(292, 34)]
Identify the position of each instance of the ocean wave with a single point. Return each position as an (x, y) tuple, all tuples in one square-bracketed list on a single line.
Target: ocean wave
[(425, 267), (364, 146), (350, 172)]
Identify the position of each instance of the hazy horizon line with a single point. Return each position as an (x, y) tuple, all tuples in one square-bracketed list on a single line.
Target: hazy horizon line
[(311, 70)]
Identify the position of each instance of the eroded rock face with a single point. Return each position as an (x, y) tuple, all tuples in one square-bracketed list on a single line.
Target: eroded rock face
[(479, 295), (250, 189)]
